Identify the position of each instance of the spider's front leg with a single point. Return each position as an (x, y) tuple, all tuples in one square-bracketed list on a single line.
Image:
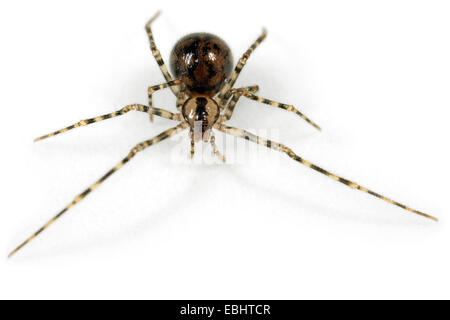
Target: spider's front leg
[(138, 148), (240, 133)]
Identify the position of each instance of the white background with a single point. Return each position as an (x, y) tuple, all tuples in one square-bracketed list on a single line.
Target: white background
[(374, 74)]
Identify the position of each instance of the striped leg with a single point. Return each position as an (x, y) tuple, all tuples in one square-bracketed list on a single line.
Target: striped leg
[(215, 150), (191, 136), (157, 54), (141, 146), (181, 98), (275, 104), (229, 108), (153, 89), (241, 64), (131, 107), (279, 147)]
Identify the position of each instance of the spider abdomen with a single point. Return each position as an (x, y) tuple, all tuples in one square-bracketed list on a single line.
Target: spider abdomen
[(203, 62)]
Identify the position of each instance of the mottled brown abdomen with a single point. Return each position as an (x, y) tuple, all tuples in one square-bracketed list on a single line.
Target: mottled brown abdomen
[(203, 62)]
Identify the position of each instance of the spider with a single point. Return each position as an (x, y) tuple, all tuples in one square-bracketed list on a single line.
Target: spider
[(204, 77)]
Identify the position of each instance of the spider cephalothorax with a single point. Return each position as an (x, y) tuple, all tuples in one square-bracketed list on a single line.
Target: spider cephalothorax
[(201, 113), (202, 65)]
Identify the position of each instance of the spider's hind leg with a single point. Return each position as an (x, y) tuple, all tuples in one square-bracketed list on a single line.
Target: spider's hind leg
[(157, 54), (241, 64), (181, 97)]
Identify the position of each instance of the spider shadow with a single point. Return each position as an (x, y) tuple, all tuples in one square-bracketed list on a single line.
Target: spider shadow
[(172, 206)]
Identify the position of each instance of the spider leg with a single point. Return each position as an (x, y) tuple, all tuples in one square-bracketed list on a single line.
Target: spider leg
[(229, 108), (181, 98), (156, 53), (279, 147), (158, 87), (275, 104), (253, 89), (139, 147), (215, 150), (241, 64), (191, 135), (132, 107)]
